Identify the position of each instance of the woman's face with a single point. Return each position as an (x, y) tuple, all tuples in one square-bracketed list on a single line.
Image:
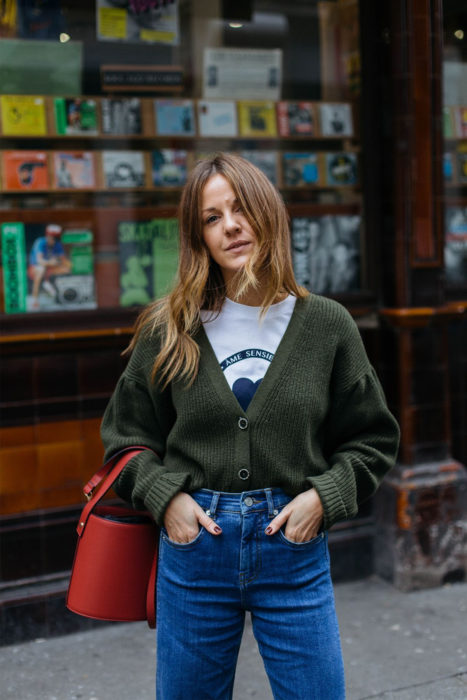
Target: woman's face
[(226, 231)]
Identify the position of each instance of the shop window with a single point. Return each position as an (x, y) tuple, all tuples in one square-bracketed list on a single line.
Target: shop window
[(455, 145), (99, 135)]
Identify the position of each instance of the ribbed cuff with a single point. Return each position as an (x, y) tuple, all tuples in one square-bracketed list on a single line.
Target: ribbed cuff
[(159, 496), (331, 499)]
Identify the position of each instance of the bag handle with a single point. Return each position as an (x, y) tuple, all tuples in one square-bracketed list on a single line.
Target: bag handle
[(105, 477), (106, 468)]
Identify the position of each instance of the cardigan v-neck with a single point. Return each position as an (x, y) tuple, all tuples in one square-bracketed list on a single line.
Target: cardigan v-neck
[(277, 365), (318, 419)]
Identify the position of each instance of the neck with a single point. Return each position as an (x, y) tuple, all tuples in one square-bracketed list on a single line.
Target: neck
[(253, 297)]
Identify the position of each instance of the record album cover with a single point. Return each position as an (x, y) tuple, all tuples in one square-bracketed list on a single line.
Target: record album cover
[(124, 169), (296, 119), (217, 118), (75, 116), (148, 259), (23, 116), (336, 119), (169, 167), (74, 170), (257, 118), (175, 117), (25, 170), (341, 169), (301, 169), (121, 116), (47, 268)]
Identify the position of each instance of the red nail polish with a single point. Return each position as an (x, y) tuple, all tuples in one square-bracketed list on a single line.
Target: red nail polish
[(268, 530), (217, 529)]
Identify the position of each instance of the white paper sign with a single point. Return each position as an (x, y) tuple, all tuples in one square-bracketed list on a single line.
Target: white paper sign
[(242, 73)]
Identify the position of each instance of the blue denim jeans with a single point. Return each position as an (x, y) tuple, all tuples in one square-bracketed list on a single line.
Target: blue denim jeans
[(205, 587)]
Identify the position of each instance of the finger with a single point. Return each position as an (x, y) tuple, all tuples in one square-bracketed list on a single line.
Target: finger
[(208, 523), (277, 522)]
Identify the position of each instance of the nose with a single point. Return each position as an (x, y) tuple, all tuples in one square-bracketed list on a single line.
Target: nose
[(232, 225)]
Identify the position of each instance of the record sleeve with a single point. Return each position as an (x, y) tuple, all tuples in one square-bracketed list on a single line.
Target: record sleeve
[(25, 170), (74, 170), (175, 117), (336, 119), (23, 116), (301, 169), (257, 118), (217, 118), (296, 119), (75, 116), (169, 167), (341, 169), (124, 169), (121, 116), (148, 253), (47, 268)]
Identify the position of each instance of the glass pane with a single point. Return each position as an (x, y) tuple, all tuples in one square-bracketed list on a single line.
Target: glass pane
[(455, 143)]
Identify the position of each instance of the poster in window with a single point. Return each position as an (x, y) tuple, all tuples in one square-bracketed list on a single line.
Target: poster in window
[(455, 247), (242, 74), (326, 253), (151, 21)]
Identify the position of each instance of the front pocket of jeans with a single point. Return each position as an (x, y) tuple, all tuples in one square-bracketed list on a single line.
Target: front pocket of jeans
[(182, 545), (300, 545)]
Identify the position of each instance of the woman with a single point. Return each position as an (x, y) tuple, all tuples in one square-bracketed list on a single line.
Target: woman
[(265, 425)]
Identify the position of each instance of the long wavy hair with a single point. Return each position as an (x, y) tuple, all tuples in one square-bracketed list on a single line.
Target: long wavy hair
[(200, 284)]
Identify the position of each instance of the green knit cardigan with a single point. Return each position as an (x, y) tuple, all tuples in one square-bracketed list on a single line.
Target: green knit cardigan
[(318, 419)]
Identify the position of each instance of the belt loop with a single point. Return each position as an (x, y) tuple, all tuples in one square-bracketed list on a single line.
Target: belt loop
[(270, 500), (214, 501)]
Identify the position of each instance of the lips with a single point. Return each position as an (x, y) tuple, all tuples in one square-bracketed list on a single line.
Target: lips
[(238, 244)]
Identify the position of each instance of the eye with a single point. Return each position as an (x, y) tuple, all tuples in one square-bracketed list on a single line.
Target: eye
[(210, 219)]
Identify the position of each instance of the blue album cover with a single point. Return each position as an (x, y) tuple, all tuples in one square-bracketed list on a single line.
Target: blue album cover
[(175, 117)]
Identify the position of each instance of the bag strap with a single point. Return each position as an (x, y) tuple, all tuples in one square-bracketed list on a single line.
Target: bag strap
[(112, 469), (95, 480)]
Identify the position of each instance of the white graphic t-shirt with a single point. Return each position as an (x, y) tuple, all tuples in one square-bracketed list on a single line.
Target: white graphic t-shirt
[(245, 345)]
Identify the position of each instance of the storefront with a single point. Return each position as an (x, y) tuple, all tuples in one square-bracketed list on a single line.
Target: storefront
[(357, 112)]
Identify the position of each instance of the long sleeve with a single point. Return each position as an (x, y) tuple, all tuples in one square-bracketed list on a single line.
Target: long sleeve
[(361, 435), (139, 414)]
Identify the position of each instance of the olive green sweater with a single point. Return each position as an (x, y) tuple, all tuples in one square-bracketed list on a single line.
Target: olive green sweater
[(318, 418)]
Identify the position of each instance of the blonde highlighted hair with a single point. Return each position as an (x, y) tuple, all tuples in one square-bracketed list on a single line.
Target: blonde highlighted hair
[(200, 284)]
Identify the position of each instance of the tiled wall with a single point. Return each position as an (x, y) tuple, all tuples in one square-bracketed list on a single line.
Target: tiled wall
[(50, 410)]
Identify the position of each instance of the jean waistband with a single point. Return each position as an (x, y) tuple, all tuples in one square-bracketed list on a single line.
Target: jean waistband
[(270, 499)]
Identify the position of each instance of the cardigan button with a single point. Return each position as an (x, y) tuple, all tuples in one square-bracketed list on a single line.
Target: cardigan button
[(243, 474), (243, 423)]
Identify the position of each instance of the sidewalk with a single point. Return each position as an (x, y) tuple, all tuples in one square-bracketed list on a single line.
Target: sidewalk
[(397, 646)]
